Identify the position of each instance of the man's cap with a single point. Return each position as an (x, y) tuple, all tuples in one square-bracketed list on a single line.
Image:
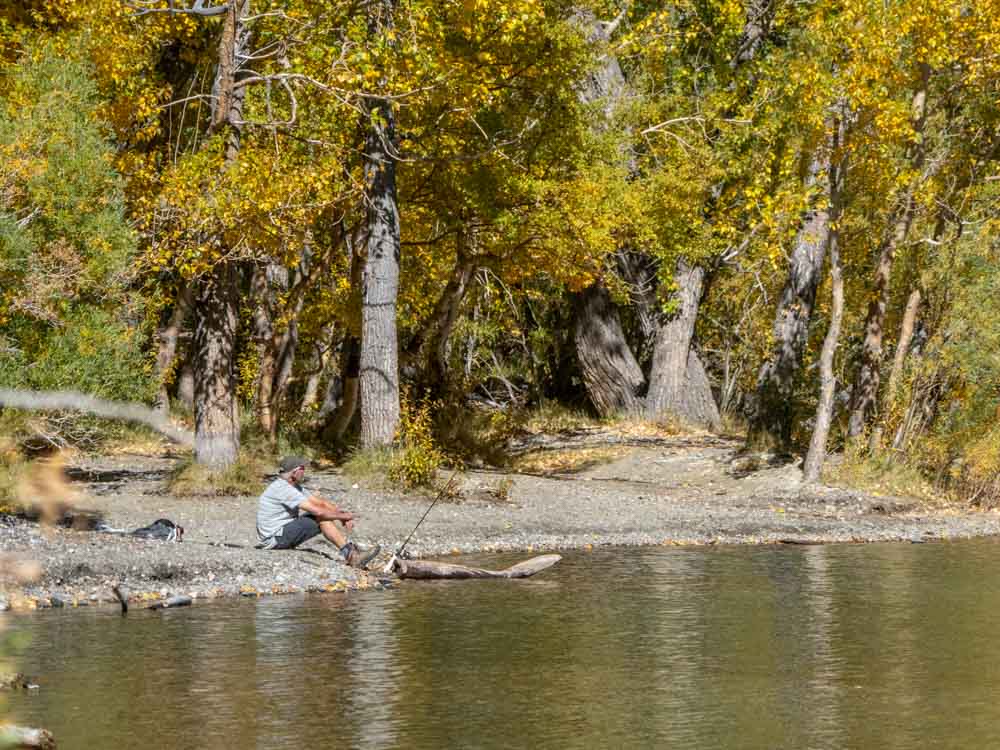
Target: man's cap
[(290, 463)]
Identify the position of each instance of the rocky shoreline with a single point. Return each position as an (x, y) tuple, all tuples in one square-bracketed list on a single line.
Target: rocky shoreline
[(690, 490)]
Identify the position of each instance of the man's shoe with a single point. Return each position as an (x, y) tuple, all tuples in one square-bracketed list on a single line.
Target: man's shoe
[(359, 558)]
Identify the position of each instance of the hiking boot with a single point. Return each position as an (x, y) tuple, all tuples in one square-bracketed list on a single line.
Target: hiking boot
[(359, 558)]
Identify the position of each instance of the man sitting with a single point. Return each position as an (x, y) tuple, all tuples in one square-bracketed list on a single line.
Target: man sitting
[(288, 515)]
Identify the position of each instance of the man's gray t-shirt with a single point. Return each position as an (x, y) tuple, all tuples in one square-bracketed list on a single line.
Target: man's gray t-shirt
[(278, 505)]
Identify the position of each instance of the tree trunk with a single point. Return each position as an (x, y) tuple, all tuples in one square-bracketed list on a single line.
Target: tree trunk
[(902, 347), (606, 82), (816, 456), (866, 385), (641, 272), (433, 337), (379, 377), (217, 426), (341, 400), (773, 412), (611, 374), (343, 391), (678, 386), (263, 325), (276, 348), (429, 569), (445, 317), (168, 336), (318, 365)]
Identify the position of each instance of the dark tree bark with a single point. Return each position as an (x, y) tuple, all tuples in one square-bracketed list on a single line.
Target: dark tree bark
[(866, 385), (217, 425), (379, 377), (611, 374), (262, 280), (341, 401), (816, 455), (774, 410), (168, 337), (678, 385), (613, 378)]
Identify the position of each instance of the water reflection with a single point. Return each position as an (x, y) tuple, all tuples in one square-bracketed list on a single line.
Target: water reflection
[(889, 646)]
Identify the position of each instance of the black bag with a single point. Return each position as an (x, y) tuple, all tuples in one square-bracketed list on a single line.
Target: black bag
[(162, 529)]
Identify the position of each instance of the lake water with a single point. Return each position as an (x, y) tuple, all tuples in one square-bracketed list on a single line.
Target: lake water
[(873, 646)]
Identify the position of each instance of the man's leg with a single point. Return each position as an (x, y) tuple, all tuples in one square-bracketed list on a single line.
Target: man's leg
[(294, 533), (353, 555), (333, 533), (305, 527)]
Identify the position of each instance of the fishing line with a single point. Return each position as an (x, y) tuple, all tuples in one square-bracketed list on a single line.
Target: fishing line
[(399, 550)]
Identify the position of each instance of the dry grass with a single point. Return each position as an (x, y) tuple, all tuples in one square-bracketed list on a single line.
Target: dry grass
[(567, 461), (139, 441), (369, 466), (882, 477), (245, 477), (550, 417)]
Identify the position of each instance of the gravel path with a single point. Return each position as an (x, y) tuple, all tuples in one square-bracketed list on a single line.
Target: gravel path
[(686, 490)]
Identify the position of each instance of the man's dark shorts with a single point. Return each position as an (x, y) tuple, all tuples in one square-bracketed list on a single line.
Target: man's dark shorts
[(294, 533)]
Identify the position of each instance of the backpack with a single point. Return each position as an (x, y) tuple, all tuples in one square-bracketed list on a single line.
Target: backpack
[(162, 529)]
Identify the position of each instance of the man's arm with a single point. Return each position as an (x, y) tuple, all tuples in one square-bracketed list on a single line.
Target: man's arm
[(324, 510)]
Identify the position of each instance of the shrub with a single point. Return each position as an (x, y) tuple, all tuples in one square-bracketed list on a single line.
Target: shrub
[(68, 319), (416, 461), (245, 477)]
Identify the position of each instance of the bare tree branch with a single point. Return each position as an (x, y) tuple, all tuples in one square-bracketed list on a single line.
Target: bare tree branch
[(73, 401), (145, 7)]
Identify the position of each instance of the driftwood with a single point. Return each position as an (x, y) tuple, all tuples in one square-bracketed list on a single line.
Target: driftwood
[(174, 601), (121, 594), (428, 569), (12, 736)]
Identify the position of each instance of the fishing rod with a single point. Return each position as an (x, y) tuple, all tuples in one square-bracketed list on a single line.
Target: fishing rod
[(400, 548)]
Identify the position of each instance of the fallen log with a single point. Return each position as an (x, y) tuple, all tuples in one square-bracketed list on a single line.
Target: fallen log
[(429, 569), (121, 593), (173, 601), (12, 736)]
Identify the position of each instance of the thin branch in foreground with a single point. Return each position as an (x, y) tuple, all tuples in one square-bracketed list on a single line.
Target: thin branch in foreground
[(73, 401)]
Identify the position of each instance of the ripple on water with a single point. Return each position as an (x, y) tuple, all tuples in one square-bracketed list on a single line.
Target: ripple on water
[(875, 646)]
